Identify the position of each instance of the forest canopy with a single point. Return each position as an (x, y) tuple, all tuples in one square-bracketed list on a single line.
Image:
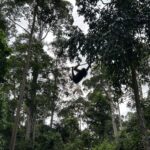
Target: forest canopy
[(61, 87)]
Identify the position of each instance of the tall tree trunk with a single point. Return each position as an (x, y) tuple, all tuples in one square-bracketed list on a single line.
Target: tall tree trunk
[(54, 95), (53, 104), (112, 113), (113, 121), (22, 85), (140, 114), (120, 121), (28, 125), (52, 113), (32, 106), (140, 90)]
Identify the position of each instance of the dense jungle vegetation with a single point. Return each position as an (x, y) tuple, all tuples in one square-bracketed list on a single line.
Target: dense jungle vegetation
[(41, 106)]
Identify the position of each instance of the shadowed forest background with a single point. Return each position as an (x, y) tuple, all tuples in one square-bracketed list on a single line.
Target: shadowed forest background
[(41, 108)]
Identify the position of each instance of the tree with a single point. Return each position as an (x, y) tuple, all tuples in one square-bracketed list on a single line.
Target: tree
[(100, 82), (4, 49), (130, 135), (112, 40), (4, 119), (49, 110), (106, 145), (98, 115), (53, 15)]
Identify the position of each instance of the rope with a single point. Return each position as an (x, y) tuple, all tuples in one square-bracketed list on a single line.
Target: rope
[(83, 64), (78, 65)]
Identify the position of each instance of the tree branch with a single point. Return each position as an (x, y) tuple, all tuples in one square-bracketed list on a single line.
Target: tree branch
[(46, 34), (104, 2), (18, 25)]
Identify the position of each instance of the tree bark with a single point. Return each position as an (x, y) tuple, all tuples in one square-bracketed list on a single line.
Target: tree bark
[(120, 121), (54, 99), (53, 104), (113, 121), (52, 115), (140, 115), (17, 117), (22, 85), (32, 106), (112, 113), (28, 125)]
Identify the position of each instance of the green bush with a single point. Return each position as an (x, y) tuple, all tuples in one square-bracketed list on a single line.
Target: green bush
[(106, 145)]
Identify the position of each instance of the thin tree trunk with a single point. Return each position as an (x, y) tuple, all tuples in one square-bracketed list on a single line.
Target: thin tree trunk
[(28, 125), (17, 117), (140, 90), (54, 96), (120, 121), (112, 114), (113, 121), (52, 110), (52, 116), (32, 105), (34, 132), (53, 104), (22, 85), (140, 114)]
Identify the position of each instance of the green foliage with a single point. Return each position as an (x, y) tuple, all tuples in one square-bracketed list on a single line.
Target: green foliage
[(98, 114), (4, 122), (146, 104), (69, 128), (4, 49), (74, 145), (114, 39), (56, 14), (3, 26), (106, 145), (49, 140), (87, 138), (82, 141), (130, 140), (3, 110), (4, 52), (130, 135)]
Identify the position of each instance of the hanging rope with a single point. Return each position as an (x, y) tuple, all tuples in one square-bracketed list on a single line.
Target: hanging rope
[(78, 65)]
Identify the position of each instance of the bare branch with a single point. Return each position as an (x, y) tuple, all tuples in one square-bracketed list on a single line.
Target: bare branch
[(18, 25), (46, 33)]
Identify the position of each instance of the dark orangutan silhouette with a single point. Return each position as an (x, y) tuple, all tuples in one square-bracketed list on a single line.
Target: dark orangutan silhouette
[(76, 78)]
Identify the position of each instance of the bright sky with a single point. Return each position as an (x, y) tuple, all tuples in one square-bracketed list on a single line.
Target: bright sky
[(78, 20)]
